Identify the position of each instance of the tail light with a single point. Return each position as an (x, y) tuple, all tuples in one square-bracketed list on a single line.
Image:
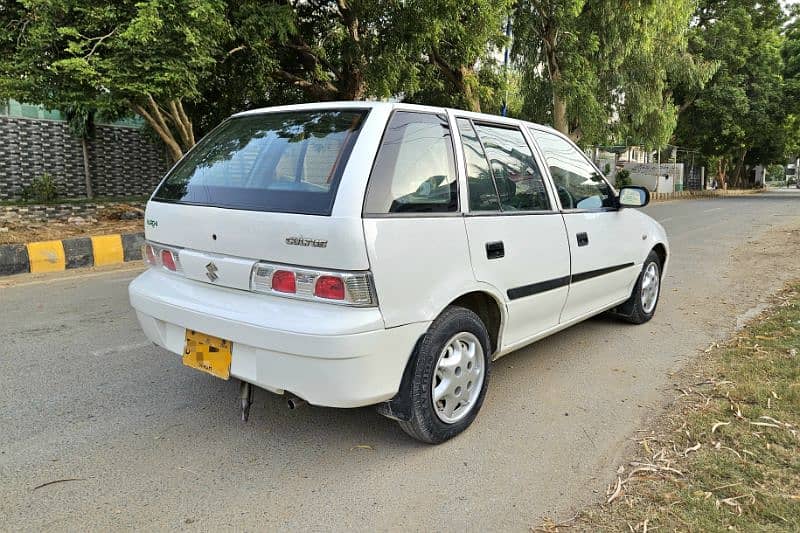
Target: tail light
[(158, 255), (329, 287), (345, 288), (168, 260), (150, 255), (284, 281)]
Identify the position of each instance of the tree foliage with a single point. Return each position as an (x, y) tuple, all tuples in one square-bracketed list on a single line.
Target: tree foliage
[(602, 70), (177, 63), (791, 59), (146, 56), (738, 117)]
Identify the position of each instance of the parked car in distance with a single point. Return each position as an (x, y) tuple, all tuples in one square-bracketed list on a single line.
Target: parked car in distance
[(361, 253)]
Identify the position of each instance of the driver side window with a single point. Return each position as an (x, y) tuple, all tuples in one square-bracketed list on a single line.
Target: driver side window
[(578, 184)]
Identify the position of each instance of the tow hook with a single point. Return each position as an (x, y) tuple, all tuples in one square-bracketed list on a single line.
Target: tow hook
[(245, 399)]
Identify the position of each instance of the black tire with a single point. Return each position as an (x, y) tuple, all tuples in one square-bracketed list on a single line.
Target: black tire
[(633, 310), (424, 424)]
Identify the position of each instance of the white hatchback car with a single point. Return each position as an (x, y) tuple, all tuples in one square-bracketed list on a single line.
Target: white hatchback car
[(360, 253)]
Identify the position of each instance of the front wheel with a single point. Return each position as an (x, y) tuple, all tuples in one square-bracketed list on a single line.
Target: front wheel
[(643, 301), (450, 377)]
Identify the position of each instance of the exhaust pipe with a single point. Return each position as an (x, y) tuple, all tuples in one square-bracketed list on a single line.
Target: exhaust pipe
[(293, 402)]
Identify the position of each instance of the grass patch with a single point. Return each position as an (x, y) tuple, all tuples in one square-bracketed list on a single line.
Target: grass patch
[(726, 456)]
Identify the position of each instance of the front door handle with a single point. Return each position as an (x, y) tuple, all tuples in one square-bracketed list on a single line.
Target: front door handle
[(583, 239), (495, 250)]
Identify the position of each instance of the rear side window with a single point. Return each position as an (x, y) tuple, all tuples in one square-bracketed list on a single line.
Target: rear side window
[(287, 162), (516, 174), (414, 170), (502, 174), (480, 183)]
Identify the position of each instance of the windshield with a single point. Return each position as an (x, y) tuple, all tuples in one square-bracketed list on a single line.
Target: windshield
[(288, 162)]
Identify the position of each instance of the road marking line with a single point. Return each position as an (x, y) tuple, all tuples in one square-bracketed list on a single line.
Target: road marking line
[(715, 209), (665, 219), (123, 348)]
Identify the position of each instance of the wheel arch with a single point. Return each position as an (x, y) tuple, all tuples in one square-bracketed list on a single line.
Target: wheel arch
[(489, 309), (661, 251)]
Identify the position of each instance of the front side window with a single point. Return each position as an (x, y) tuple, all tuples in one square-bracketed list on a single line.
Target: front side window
[(288, 162), (414, 170), (578, 184)]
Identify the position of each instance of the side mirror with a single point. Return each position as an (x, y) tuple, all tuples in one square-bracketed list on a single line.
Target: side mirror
[(633, 196)]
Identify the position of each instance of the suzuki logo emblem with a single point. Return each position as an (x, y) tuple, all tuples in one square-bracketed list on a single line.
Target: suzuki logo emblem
[(211, 271)]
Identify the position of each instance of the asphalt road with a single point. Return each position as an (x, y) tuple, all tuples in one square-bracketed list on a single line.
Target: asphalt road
[(150, 444)]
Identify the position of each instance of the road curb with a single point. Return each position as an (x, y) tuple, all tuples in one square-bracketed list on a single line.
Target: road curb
[(691, 195), (76, 252)]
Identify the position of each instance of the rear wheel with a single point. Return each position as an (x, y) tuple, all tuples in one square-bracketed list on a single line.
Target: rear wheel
[(643, 301), (450, 377)]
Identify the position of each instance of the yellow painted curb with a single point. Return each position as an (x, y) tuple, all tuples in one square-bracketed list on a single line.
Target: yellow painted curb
[(46, 256), (107, 250)]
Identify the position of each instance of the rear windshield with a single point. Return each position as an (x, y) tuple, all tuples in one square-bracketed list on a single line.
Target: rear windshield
[(283, 162)]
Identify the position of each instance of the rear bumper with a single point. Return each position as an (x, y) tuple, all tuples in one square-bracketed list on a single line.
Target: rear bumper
[(325, 354)]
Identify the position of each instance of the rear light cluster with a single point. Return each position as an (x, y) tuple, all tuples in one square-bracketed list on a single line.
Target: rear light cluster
[(346, 288), (158, 255)]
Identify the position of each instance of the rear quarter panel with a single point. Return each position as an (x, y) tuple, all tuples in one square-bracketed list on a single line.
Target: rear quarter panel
[(419, 266)]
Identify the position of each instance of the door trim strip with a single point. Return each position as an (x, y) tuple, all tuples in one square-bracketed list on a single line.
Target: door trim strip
[(536, 288), (552, 284), (583, 276)]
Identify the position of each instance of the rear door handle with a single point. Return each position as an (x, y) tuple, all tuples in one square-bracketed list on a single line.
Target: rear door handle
[(495, 250), (583, 239)]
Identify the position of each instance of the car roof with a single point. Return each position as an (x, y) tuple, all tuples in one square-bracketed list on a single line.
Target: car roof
[(349, 104)]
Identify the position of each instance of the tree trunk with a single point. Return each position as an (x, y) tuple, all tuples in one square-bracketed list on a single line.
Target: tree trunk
[(470, 94), (459, 77), (739, 170), (560, 121), (164, 122), (560, 113), (355, 87), (87, 175), (722, 178), (354, 84)]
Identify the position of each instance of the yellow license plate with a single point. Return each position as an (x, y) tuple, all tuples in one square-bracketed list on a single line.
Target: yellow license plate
[(207, 353)]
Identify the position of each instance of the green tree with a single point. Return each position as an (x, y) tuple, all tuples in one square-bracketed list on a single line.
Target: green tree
[(791, 58), (600, 69), (455, 45), (776, 172), (432, 51), (738, 117), (80, 120), (146, 56), (184, 66), (326, 49)]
